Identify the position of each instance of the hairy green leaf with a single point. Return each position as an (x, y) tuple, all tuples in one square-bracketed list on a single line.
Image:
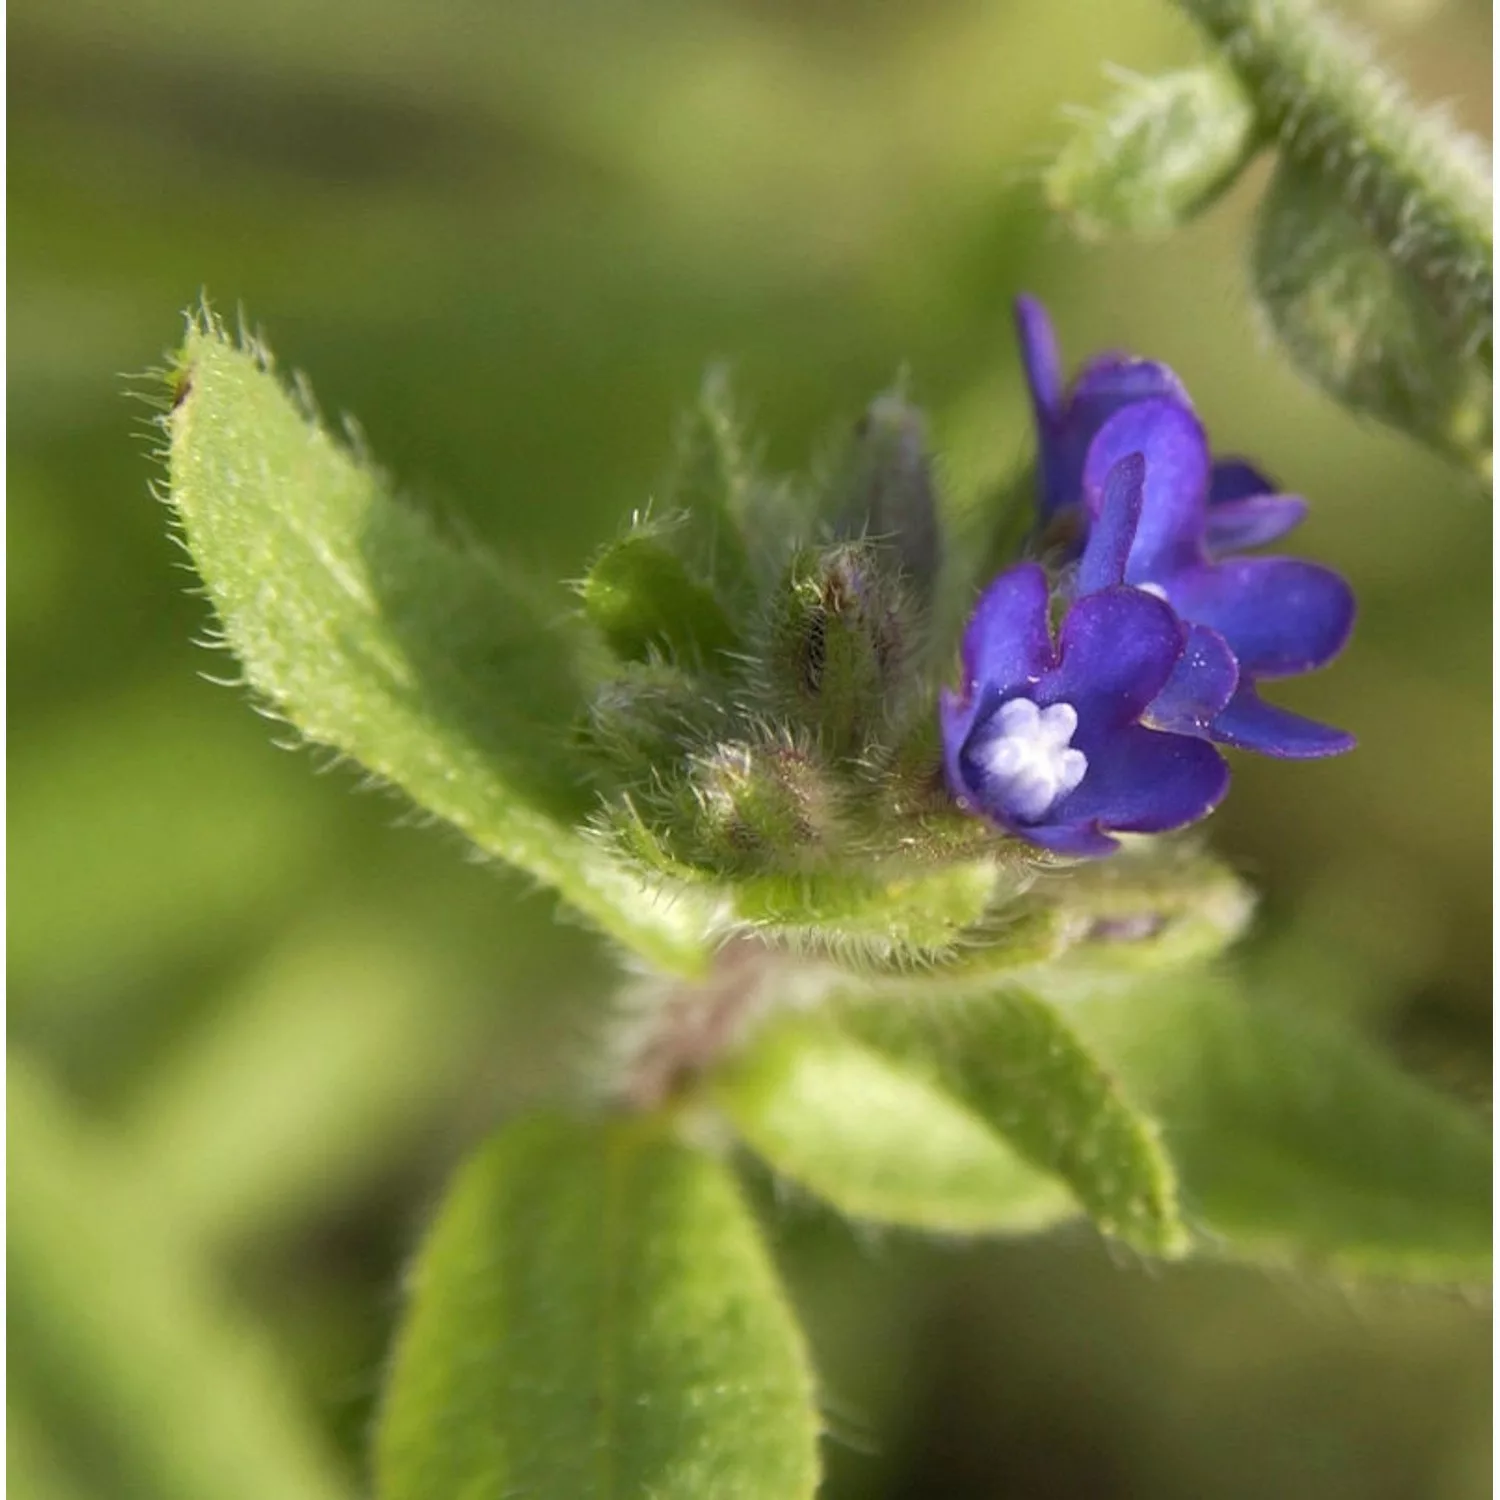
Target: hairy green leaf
[(1297, 1141), (1419, 188), (1354, 322), (594, 1316), (1015, 1062), (373, 633), (878, 1140)]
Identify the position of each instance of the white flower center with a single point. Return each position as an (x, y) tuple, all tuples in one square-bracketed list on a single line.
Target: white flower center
[(1029, 757)]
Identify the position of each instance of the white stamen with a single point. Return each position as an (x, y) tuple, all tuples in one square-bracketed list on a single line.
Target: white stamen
[(1155, 590), (1029, 756)]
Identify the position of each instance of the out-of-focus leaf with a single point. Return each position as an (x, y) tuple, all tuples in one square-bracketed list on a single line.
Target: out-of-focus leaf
[(372, 633), (115, 1328), (1296, 1141), (33, 1466), (1015, 1062), (1359, 325), (218, 857), (305, 1084), (595, 1316), (877, 1140)]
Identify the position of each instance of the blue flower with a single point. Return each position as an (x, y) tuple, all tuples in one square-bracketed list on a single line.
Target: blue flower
[(1251, 619), (1046, 740), (1244, 509)]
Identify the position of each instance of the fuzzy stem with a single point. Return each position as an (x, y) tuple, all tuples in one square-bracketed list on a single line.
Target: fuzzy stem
[(1418, 186)]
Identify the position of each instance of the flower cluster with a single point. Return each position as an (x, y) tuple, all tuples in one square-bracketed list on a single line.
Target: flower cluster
[(1166, 631)]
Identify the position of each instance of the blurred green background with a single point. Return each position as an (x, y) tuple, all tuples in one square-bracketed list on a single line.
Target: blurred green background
[(255, 1016)]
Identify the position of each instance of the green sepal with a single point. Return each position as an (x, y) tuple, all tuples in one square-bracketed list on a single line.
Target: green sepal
[(1157, 906), (640, 596)]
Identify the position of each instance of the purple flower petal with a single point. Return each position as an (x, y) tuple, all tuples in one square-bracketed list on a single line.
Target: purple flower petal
[(1238, 525), (1007, 644), (1142, 781), (1202, 682), (1250, 723), (1117, 650), (1280, 615), (1039, 358), (1172, 442), (1118, 513), (1111, 381), (1235, 479), (956, 718)]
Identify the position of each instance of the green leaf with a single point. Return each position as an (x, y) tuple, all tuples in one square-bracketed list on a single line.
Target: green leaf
[(594, 1315), (879, 1140), (1418, 188), (1012, 1060), (1355, 322), (372, 633), (640, 596), (306, 1082), (1296, 1141)]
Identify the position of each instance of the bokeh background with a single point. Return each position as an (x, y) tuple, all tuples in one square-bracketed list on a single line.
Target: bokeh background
[(255, 1016)]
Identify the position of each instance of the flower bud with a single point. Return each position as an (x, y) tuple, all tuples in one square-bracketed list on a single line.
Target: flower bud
[(1156, 155), (839, 643), (884, 490), (760, 806)]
